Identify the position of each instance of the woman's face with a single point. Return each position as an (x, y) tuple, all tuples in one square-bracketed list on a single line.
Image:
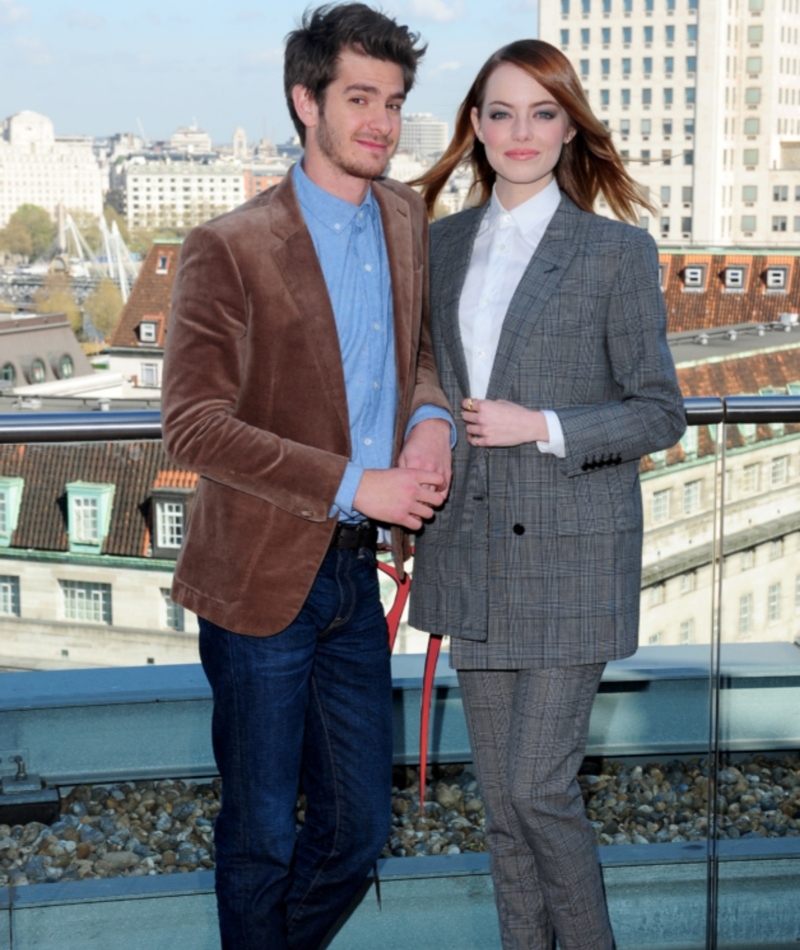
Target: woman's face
[(522, 129)]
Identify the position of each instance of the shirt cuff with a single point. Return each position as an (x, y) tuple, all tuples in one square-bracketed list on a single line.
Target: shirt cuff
[(346, 495), (555, 445), (429, 411)]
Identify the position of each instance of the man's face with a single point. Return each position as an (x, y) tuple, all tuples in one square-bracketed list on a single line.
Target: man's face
[(358, 123)]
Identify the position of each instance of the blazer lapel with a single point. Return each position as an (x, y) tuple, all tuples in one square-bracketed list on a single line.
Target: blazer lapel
[(299, 265), (452, 257), (537, 284)]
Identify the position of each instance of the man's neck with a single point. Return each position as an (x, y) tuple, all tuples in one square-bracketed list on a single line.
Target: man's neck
[(335, 181)]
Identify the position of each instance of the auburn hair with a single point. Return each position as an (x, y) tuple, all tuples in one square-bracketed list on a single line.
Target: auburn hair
[(589, 163)]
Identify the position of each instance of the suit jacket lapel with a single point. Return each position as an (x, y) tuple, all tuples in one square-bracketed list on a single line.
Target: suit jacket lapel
[(453, 257), (298, 263), (538, 283)]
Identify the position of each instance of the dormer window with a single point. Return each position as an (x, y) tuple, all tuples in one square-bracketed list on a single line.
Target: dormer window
[(162, 267), (88, 515), (662, 275), (734, 278), (148, 331), (775, 278), (694, 276), (169, 520), (10, 500)]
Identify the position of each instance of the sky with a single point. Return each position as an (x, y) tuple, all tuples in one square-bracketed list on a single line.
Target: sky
[(104, 67)]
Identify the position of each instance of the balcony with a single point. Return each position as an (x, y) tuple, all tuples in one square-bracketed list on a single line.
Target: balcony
[(719, 689)]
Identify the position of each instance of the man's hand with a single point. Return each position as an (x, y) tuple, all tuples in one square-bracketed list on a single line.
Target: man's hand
[(428, 448), (497, 422), (403, 496)]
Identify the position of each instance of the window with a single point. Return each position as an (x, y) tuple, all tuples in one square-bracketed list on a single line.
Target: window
[(89, 507), (691, 496), (66, 367), (584, 67), (86, 601), (734, 278), (626, 65), (565, 37), (687, 631), (606, 6), (627, 34), (752, 126), (625, 126), (688, 582), (666, 193), (665, 227), (8, 373), (689, 95), (748, 559), (163, 264), (666, 127), (669, 64), (755, 5), (752, 96), (668, 96), (606, 35), (751, 477), (9, 596), (753, 64), (655, 638), (775, 549), (174, 617), (779, 223), (688, 157), (586, 6), (147, 332), (694, 276), (691, 64), (776, 278), (780, 192), (647, 97), (751, 156), (149, 376), (658, 594), (648, 34), (779, 470), (647, 64), (648, 6), (604, 97), (661, 505), (688, 126), (670, 4), (797, 592), (585, 37), (689, 443), (645, 156), (626, 97), (644, 222), (605, 66), (37, 371), (646, 126), (564, 7), (691, 32), (10, 500), (169, 523), (774, 602), (748, 222), (745, 614), (669, 35), (749, 192), (755, 34)]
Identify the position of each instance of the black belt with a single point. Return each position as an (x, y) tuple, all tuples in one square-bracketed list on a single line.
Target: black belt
[(350, 537)]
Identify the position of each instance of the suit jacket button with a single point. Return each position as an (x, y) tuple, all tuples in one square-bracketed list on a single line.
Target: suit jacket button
[(518, 529)]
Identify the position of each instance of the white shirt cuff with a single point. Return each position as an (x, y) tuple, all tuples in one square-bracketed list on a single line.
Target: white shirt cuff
[(555, 445)]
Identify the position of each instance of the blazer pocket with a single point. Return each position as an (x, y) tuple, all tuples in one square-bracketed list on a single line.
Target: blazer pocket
[(593, 504)]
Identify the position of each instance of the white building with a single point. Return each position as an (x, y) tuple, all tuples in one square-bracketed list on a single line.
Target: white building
[(704, 98), (423, 134), (191, 139), (39, 168), (167, 193)]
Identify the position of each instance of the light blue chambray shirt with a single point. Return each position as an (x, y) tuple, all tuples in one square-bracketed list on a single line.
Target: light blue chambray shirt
[(351, 249)]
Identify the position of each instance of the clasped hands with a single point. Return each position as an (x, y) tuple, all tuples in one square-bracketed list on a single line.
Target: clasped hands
[(497, 422)]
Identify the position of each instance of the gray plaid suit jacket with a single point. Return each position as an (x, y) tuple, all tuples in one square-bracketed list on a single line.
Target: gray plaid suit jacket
[(535, 561)]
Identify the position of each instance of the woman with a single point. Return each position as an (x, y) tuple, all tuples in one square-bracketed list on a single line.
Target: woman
[(549, 333)]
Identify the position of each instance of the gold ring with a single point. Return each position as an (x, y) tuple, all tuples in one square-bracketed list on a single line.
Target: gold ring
[(470, 407)]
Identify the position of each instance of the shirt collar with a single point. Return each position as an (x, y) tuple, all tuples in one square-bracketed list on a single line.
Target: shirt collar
[(332, 212), (531, 215)]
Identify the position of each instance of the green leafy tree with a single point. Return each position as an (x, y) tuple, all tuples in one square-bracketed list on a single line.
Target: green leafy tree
[(29, 232), (104, 306), (55, 296)]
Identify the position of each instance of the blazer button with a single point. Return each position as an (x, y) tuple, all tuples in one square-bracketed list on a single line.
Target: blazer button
[(518, 529)]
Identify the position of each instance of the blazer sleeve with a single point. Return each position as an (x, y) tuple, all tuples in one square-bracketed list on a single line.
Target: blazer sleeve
[(204, 366), (649, 413)]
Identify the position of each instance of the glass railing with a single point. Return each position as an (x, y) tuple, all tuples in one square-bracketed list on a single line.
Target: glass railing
[(92, 515)]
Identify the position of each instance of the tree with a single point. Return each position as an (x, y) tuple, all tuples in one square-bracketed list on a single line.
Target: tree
[(55, 296), (30, 232), (104, 306)]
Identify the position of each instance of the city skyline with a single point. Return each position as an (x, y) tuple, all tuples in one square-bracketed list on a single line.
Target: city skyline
[(98, 70)]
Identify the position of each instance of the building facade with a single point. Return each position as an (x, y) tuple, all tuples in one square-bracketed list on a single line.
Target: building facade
[(40, 168), (422, 134), (703, 99)]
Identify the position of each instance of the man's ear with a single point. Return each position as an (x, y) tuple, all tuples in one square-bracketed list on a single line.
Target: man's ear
[(305, 105)]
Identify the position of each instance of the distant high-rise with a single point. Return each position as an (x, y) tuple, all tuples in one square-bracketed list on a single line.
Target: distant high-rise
[(704, 98), (422, 134)]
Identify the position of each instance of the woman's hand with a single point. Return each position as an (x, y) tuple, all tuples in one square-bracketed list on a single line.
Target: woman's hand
[(498, 422)]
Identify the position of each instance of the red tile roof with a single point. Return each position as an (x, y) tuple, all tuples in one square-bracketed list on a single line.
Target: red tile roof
[(150, 296)]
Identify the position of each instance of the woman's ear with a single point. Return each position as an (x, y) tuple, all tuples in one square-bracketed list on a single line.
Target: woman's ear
[(476, 123)]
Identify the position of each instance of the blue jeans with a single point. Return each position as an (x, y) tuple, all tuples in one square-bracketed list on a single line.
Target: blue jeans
[(310, 705)]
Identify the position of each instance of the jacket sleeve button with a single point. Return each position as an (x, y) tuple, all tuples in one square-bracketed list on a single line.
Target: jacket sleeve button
[(518, 529)]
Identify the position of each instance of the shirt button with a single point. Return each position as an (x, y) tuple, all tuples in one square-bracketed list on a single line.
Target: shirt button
[(502, 247), (367, 441), (360, 214), (481, 354), (337, 227), (376, 325), (376, 385), (368, 267)]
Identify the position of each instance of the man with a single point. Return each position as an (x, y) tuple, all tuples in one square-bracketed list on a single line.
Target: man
[(299, 383)]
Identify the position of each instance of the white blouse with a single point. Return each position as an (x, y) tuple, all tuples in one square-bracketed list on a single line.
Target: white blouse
[(503, 247)]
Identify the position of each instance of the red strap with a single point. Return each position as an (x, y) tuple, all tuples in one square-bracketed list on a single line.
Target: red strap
[(434, 645), (395, 613)]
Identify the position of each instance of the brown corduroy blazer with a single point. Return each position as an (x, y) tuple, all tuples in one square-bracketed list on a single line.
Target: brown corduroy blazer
[(254, 400)]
